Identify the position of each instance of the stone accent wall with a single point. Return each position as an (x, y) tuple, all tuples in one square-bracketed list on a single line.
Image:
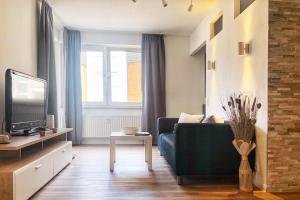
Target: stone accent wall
[(284, 96)]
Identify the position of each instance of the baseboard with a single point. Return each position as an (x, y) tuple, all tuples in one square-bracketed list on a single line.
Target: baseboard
[(106, 141), (260, 185), (264, 187)]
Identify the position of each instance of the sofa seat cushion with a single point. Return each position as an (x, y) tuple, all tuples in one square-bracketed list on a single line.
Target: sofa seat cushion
[(169, 138), (165, 138), (166, 145)]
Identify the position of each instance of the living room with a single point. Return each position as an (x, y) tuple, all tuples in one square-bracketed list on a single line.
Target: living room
[(153, 99)]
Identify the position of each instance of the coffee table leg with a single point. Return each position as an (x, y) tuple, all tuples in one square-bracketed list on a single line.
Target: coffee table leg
[(146, 150), (114, 152), (112, 155), (149, 144)]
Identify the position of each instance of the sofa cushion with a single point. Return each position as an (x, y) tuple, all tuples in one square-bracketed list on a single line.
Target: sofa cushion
[(160, 140), (166, 145), (187, 118), (169, 138), (212, 119), (166, 125), (209, 120)]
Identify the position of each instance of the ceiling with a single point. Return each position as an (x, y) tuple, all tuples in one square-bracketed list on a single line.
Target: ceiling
[(146, 16)]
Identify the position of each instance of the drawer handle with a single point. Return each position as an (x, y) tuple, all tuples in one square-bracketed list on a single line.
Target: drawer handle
[(64, 150), (38, 166)]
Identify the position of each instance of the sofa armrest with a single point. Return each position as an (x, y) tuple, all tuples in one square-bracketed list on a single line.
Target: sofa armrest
[(205, 149), (165, 125)]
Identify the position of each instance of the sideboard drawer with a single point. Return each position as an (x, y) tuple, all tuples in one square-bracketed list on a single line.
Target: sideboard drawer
[(62, 157), (24, 186), (31, 178)]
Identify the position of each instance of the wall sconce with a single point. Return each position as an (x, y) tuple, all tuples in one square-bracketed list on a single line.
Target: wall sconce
[(244, 48), (211, 65)]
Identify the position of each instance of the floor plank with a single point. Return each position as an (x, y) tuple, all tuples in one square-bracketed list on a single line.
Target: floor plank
[(88, 177)]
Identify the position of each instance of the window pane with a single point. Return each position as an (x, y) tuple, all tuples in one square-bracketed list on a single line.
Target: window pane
[(245, 4), (126, 76), (92, 76), (218, 26)]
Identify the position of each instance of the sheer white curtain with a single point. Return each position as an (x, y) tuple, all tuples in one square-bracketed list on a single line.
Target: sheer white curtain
[(60, 73)]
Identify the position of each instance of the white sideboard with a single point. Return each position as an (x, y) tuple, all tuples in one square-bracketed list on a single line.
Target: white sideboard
[(34, 165)]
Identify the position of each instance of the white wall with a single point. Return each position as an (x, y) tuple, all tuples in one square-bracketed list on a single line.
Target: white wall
[(234, 73), (18, 40), (184, 77), (127, 39), (182, 70)]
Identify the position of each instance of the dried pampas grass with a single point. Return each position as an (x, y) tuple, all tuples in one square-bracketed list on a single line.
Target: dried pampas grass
[(241, 111)]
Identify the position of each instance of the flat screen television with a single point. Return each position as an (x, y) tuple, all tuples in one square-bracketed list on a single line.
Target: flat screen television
[(25, 103)]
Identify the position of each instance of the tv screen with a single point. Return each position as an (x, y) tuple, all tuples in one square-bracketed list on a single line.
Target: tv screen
[(25, 102)]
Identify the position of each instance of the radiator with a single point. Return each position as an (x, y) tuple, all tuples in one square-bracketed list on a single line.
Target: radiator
[(102, 126)]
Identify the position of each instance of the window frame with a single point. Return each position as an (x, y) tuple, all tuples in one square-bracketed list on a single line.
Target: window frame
[(107, 92), (99, 49)]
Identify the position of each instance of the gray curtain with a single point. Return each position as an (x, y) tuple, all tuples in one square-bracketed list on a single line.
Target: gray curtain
[(72, 48), (153, 82), (46, 59)]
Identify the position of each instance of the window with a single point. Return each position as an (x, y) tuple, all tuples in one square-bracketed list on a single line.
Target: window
[(125, 76), (111, 76), (92, 76), (245, 4), (241, 5), (216, 25)]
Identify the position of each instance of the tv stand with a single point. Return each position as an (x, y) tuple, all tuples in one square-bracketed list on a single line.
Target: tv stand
[(34, 158)]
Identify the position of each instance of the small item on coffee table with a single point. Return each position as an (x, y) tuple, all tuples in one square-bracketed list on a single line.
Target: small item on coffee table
[(42, 133), (142, 134), (129, 130), (54, 130)]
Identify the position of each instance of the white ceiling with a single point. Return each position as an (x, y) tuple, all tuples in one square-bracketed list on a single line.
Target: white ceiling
[(146, 16)]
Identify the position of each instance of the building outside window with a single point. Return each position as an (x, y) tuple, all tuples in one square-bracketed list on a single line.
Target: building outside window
[(111, 76)]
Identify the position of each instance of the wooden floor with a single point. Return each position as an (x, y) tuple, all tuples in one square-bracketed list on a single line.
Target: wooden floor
[(88, 177)]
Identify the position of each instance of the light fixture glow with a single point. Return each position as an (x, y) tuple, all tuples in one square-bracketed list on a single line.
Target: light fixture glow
[(190, 8), (164, 2)]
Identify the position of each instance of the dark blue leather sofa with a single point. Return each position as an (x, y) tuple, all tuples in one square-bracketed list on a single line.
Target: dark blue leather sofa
[(199, 149)]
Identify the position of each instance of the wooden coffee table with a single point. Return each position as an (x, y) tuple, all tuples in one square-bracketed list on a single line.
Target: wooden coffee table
[(121, 137)]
